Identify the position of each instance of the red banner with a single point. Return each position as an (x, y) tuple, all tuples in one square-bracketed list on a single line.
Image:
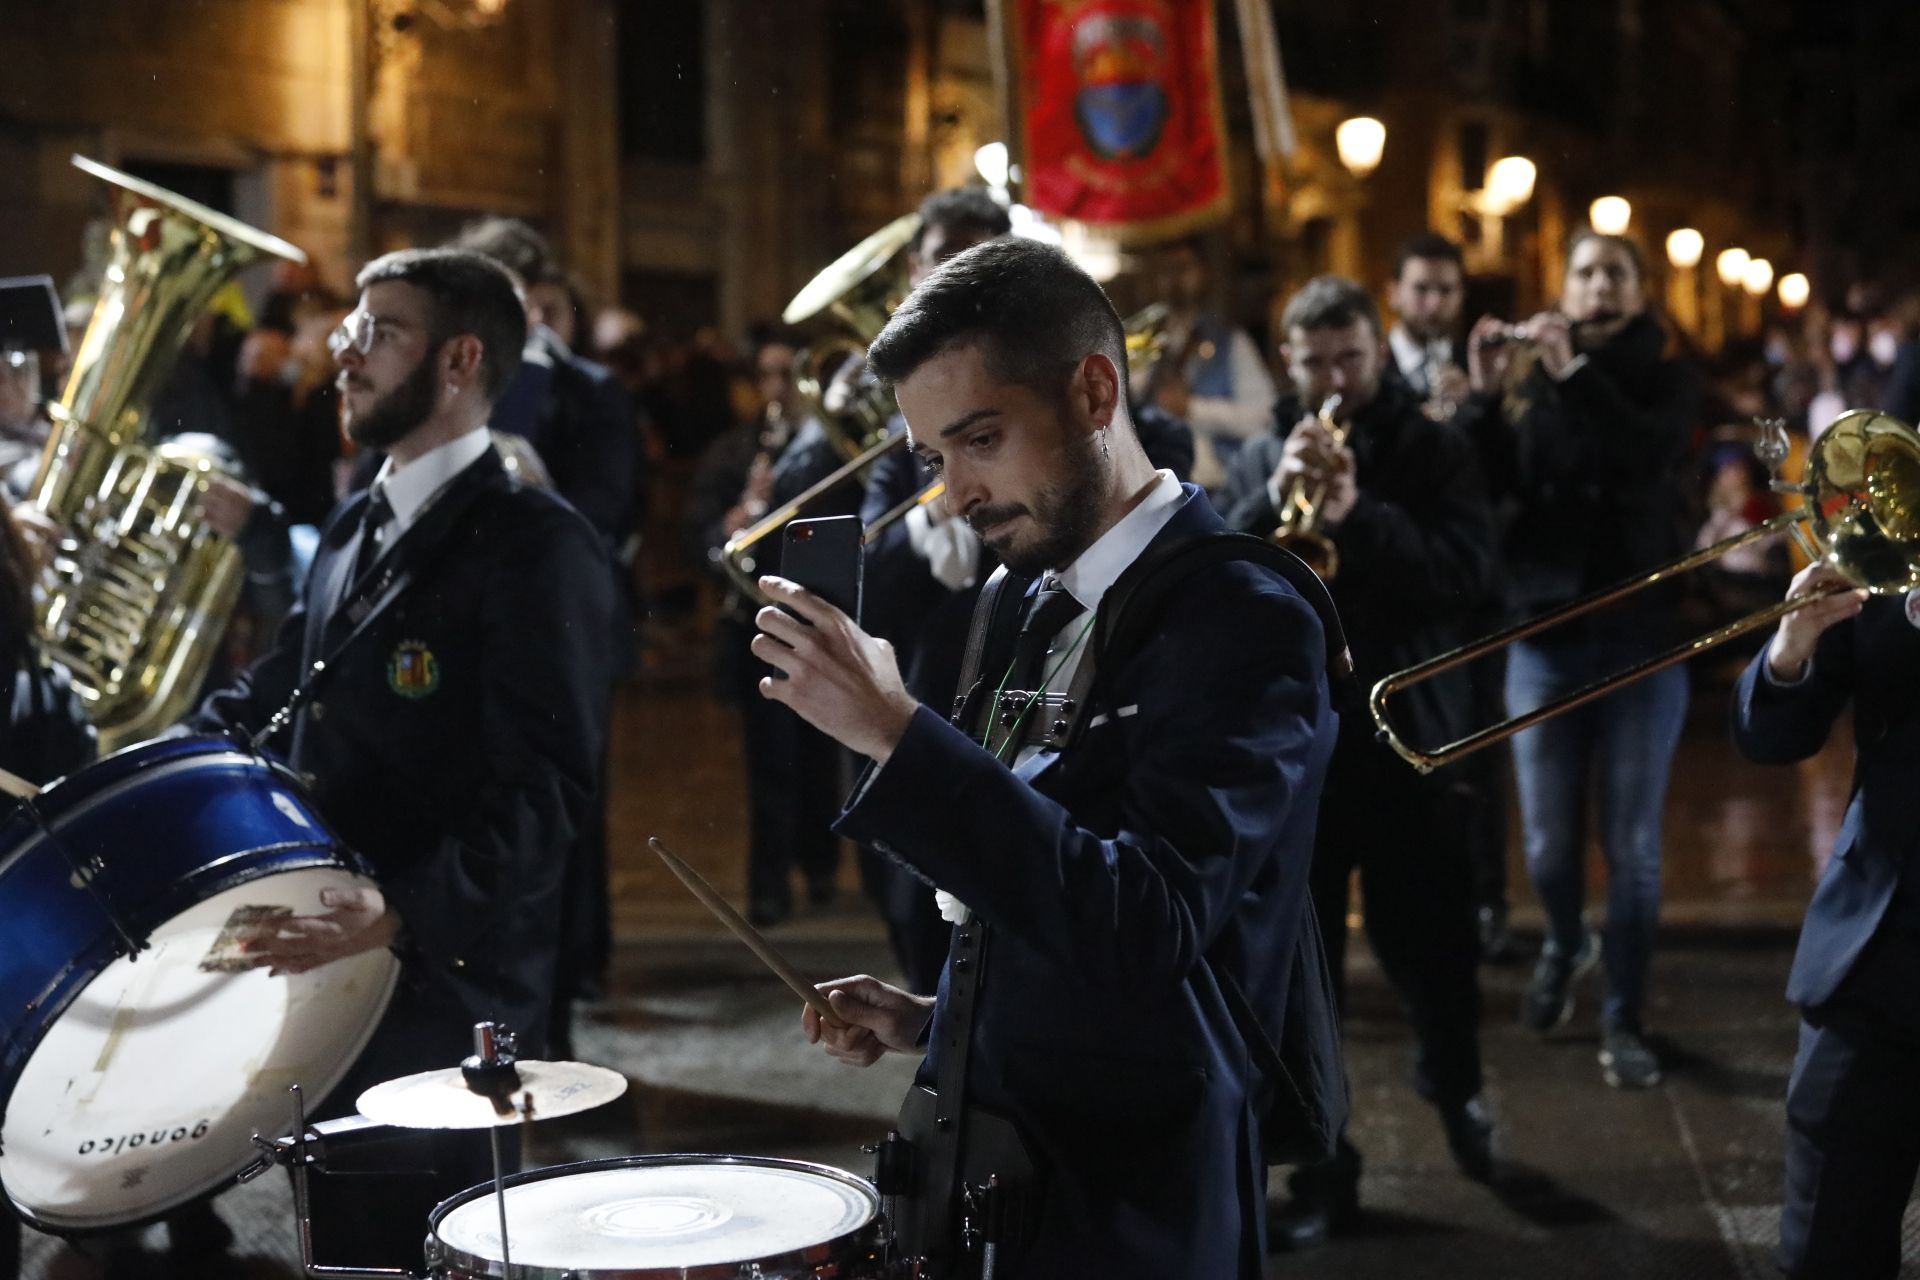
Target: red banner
[(1121, 124)]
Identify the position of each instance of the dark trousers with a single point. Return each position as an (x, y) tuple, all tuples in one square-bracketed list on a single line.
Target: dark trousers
[(1853, 1146), (1486, 775), (794, 789), (1407, 836)]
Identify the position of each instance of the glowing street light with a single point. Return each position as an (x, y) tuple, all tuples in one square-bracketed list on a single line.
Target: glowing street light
[(1360, 141), (991, 161), (1795, 289), (1685, 247), (1732, 266), (1610, 215), (1510, 183), (1758, 278)]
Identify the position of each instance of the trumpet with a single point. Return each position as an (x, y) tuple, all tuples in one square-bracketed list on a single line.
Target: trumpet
[(1299, 529)]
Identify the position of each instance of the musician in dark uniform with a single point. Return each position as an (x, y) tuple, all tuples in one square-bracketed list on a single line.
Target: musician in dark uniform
[(455, 737), (795, 777), (1127, 881), (1406, 513), (1853, 1111)]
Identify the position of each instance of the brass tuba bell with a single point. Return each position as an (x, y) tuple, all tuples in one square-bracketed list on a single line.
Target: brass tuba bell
[(139, 591)]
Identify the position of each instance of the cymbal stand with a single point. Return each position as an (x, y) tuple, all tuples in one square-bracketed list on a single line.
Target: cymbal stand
[(304, 1147)]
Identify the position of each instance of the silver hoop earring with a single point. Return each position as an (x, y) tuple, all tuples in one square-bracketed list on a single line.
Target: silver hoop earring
[(1106, 452)]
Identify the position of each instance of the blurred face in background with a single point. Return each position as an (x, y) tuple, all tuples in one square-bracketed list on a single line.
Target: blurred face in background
[(1348, 360), (19, 388), (776, 378), (1603, 284), (551, 305), (940, 241), (1427, 297)]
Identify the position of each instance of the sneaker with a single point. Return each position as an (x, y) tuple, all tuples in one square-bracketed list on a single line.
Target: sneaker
[(1548, 1000), (1627, 1061)]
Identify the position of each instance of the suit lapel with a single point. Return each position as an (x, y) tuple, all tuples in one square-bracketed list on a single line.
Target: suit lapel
[(429, 528)]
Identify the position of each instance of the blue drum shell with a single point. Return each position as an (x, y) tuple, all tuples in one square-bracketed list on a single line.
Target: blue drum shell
[(143, 834)]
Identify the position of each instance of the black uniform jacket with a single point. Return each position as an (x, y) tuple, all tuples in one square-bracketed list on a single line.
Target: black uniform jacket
[(455, 743), (1416, 551)]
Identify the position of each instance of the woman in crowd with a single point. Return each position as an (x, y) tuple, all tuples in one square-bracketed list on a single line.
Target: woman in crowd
[(1582, 423)]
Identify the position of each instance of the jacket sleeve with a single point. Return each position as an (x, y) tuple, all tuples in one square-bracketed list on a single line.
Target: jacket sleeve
[(249, 702), (1773, 724), (1436, 552), (545, 683), (595, 459), (1215, 773), (1247, 507), (718, 479), (1482, 420)]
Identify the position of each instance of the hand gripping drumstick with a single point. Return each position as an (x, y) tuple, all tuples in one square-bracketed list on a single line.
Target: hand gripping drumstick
[(15, 785), (723, 910)]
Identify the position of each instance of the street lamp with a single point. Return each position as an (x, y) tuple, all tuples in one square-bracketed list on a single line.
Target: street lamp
[(1610, 215), (1685, 247), (1795, 289), (1732, 266), (1758, 277), (991, 161), (1510, 184), (1360, 142)]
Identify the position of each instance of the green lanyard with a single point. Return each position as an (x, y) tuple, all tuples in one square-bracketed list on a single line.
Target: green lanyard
[(1013, 733)]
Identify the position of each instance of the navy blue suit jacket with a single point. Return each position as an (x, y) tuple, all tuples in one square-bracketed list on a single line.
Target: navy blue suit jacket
[(1874, 660), (1180, 826)]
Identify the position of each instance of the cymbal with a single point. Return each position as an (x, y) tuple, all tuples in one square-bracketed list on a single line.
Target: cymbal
[(441, 1099)]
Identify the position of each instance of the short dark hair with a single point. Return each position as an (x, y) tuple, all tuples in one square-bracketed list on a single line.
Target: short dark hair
[(1034, 312), (513, 244), (1624, 244), (964, 208), (471, 293), (1329, 302), (1428, 246)]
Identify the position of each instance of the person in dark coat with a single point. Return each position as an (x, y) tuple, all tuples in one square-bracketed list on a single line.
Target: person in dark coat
[(455, 736), (1125, 881), (1580, 437), (1853, 1120), (1406, 513)]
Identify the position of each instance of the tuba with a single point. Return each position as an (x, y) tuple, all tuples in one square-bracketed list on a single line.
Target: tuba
[(860, 289), (139, 590)]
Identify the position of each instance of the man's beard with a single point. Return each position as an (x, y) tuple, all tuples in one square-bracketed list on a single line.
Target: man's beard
[(393, 417), (1064, 515), (1424, 331)]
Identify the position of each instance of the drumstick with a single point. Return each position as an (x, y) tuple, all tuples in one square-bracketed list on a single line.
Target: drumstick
[(721, 908), (15, 785)]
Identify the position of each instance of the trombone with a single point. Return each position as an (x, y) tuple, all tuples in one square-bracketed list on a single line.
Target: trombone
[(1861, 516)]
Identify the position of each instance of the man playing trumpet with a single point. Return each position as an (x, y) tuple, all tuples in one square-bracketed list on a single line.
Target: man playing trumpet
[(1402, 502)]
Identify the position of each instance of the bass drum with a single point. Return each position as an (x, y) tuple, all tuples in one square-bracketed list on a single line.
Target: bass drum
[(664, 1218), (138, 1054)]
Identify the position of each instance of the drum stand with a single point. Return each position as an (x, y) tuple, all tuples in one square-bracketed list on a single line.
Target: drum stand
[(489, 1072), (305, 1147)]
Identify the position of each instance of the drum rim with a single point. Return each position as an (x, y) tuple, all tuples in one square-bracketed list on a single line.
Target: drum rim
[(440, 1253)]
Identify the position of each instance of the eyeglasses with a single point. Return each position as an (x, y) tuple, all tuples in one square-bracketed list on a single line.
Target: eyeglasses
[(361, 331)]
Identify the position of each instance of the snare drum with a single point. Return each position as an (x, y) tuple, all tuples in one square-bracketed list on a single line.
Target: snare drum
[(132, 1084), (678, 1216)]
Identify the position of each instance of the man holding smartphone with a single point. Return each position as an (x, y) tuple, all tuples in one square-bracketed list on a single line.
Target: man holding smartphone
[(1129, 873)]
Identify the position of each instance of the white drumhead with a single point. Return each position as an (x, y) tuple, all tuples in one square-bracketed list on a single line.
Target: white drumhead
[(642, 1217), (147, 1090)]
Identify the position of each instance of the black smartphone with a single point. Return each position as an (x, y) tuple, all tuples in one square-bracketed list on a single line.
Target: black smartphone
[(825, 557)]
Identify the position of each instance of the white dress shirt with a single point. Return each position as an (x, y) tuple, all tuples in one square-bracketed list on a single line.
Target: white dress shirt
[(1088, 580), (411, 487)]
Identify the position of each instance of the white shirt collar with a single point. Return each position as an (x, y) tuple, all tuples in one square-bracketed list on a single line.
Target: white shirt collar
[(1408, 354), (1100, 565), (411, 487)]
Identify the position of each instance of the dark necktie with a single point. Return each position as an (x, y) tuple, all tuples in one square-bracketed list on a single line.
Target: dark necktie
[(1050, 609), (373, 522)]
